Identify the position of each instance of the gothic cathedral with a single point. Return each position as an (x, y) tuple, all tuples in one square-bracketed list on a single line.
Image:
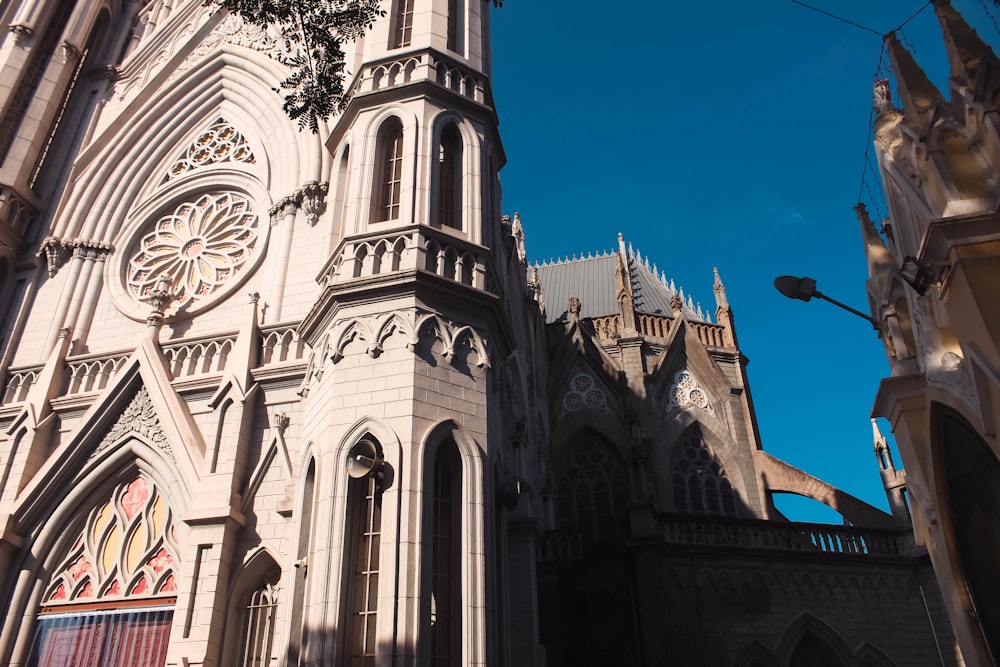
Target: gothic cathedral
[(273, 398)]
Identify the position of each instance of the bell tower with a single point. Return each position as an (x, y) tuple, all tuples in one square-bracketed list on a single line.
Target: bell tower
[(411, 321)]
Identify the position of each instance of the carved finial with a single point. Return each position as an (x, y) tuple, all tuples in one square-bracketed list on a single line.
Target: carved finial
[(574, 307), (281, 423), (882, 452), (882, 96), (721, 300), (159, 297)]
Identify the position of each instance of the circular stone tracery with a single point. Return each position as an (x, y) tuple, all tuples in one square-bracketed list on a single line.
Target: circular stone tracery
[(198, 248)]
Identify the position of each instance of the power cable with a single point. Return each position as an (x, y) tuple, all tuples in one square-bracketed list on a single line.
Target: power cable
[(838, 18)]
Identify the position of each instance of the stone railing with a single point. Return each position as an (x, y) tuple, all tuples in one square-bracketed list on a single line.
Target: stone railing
[(19, 383), (408, 248), (712, 335), (413, 67), (775, 535), (279, 345), (198, 358), (656, 326), (609, 327), (91, 373)]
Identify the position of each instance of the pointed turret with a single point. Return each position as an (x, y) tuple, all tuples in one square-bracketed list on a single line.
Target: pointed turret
[(967, 52), (876, 251), (721, 300), (893, 480), (918, 94)]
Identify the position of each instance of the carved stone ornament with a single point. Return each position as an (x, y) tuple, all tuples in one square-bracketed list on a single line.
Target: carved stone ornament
[(220, 142), (21, 33), (203, 248), (56, 253), (583, 393), (688, 392), (138, 418)]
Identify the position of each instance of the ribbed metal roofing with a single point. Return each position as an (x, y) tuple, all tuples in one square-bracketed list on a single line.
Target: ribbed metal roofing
[(592, 280)]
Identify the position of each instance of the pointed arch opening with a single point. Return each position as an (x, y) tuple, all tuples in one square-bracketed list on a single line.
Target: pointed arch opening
[(593, 492), (699, 480), (363, 537), (388, 170), (446, 557), (112, 595), (973, 492), (449, 178)]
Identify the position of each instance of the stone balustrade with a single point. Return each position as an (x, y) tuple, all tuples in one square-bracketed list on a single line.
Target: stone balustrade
[(409, 248), (91, 373), (693, 530), (414, 67), (773, 535), (279, 345), (609, 327)]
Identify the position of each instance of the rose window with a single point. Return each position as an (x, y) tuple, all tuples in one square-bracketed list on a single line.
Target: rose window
[(198, 248), (583, 393), (687, 391)]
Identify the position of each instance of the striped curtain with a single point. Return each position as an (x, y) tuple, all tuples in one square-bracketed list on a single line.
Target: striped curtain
[(133, 638)]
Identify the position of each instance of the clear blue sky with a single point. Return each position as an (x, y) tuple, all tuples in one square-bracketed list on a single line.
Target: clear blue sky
[(727, 134)]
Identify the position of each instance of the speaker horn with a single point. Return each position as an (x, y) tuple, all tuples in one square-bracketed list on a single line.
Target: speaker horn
[(363, 459)]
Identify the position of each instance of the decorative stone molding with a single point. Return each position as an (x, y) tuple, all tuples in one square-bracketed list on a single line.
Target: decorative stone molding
[(139, 418), (70, 53), (159, 297), (15, 211), (310, 198), (220, 142), (58, 251), (414, 325), (21, 33)]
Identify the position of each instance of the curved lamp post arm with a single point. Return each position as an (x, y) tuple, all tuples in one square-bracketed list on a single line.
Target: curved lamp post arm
[(804, 289)]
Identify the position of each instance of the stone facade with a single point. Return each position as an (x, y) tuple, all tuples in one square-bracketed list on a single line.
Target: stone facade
[(934, 270), (281, 398)]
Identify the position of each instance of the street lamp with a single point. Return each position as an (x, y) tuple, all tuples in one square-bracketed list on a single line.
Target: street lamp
[(804, 289)]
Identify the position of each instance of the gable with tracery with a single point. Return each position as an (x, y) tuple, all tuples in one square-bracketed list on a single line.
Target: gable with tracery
[(126, 550)]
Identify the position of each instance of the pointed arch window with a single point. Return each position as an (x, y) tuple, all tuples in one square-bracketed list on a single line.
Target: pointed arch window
[(449, 190), (446, 599), (259, 629), (111, 599), (389, 170), (31, 76), (701, 485), (592, 490), (361, 575), (403, 34), (301, 570)]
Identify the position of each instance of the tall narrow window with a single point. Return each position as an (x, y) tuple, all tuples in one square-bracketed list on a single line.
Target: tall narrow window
[(592, 491), (404, 24), (701, 484), (446, 558), (364, 507), (450, 178), (302, 553), (453, 27), (390, 170), (31, 76), (259, 631)]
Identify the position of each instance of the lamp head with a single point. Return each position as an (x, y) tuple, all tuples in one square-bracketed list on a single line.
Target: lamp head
[(802, 289)]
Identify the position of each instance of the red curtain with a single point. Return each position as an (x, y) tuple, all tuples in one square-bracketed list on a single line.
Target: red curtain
[(102, 639)]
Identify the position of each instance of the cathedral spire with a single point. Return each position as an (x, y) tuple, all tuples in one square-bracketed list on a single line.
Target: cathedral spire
[(721, 300), (966, 49), (919, 95)]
